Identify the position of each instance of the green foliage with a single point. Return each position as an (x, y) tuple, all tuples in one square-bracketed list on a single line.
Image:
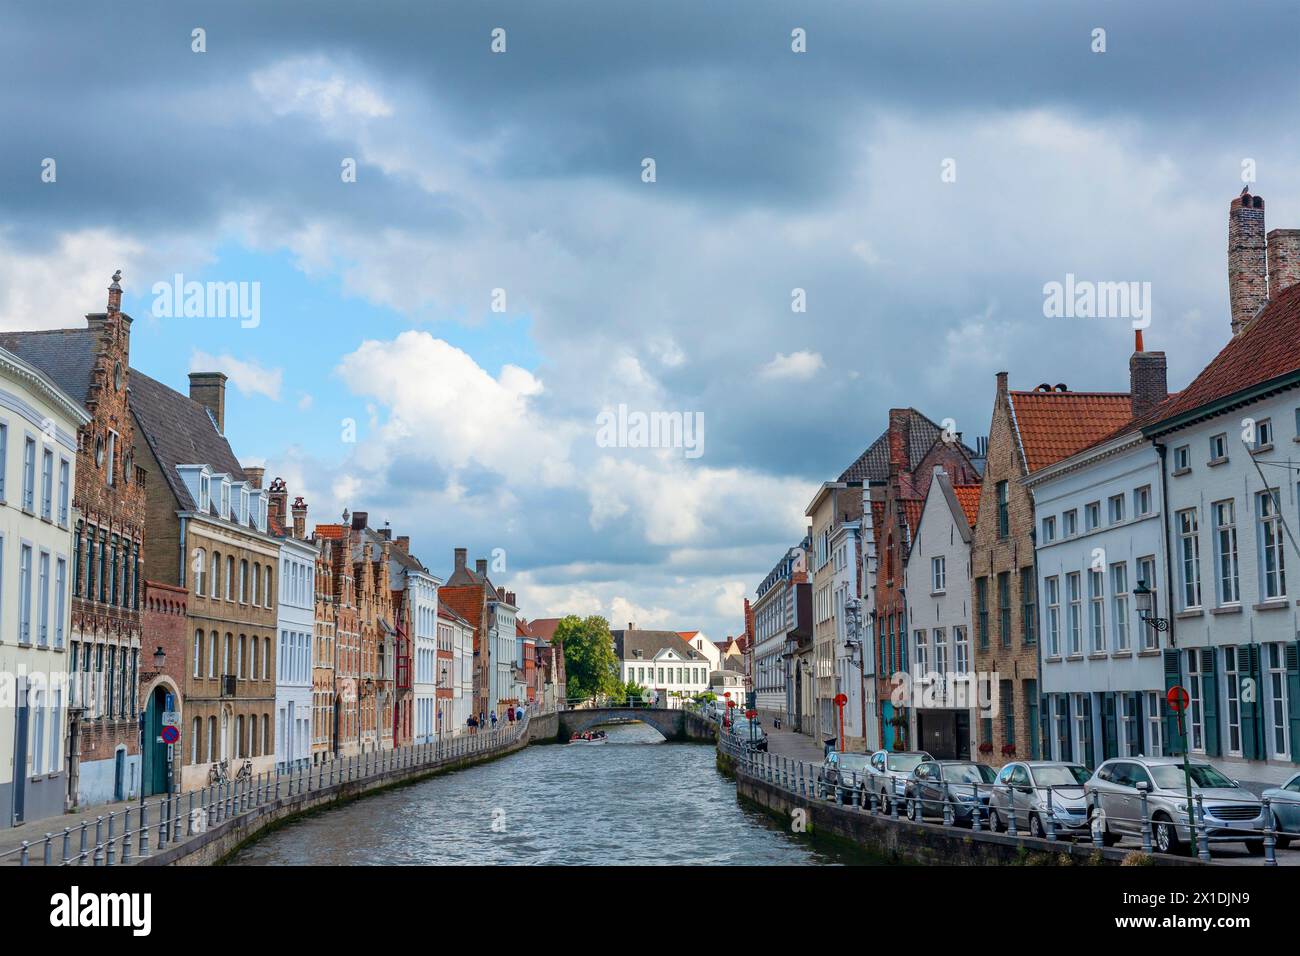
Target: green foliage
[(589, 662)]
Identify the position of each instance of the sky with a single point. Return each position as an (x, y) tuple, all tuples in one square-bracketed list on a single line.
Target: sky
[(436, 340)]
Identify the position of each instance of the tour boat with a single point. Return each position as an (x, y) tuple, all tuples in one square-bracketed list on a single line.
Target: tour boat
[(590, 737)]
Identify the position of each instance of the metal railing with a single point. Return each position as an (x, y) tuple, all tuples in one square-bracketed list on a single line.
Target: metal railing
[(1051, 819), (126, 836)]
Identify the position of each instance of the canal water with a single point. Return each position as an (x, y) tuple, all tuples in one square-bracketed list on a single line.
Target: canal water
[(636, 800)]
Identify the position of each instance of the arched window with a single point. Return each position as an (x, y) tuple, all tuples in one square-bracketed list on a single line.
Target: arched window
[(198, 652), (200, 571), (194, 738), (266, 733), (243, 582), (212, 739), (225, 654), (212, 655), (266, 656), (257, 581), (239, 656), (252, 736), (240, 750), (230, 579), (266, 600), (215, 583), (252, 660)]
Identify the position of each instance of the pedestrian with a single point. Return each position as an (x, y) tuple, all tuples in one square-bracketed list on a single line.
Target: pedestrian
[(494, 720)]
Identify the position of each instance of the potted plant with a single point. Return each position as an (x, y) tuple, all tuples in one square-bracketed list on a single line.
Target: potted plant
[(1008, 750), (986, 747)]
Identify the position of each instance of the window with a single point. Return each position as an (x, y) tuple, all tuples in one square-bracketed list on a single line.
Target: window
[(200, 573), (47, 484), (38, 731), (1070, 523), (29, 475), (1263, 434), (25, 594), (1127, 741), (1008, 703), (1004, 523), (921, 654), (1028, 607), (1004, 607), (1049, 529), (1092, 515), (1074, 590), (1225, 552), (1097, 610), (243, 582), (195, 727), (1146, 573), (1189, 557), (961, 640), (1083, 727), (1196, 702), (940, 652), (1155, 747), (212, 654), (43, 597), (938, 575), (205, 493), (230, 578), (1142, 501), (1279, 744), (63, 490), (1218, 448), (1232, 668), (60, 607), (982, 610), (110, 474), (198, 651), (1115, 506), (4, 457), (1272, 565), (1053, 595), (1182, 459), (1119, 605)]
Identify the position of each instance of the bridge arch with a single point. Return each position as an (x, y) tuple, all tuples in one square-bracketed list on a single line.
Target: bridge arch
[(672, 724)]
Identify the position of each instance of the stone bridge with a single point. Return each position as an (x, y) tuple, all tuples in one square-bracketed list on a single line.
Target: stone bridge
[(673, 724)]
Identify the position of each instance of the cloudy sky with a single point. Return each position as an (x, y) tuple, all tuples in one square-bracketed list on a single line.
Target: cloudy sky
[(522, 171)]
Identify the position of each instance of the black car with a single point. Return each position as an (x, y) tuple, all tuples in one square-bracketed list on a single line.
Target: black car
[(963, 784), (840, 775)]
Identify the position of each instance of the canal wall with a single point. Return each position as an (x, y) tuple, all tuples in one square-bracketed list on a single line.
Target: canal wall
[(902, 841), (219, 841)]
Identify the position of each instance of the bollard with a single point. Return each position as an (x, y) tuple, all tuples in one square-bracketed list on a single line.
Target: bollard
[(893, 802), (979, 809), (1146, 817), (1270, 834), (144, 830), (67, 839), (1051, 816), (1011, 812), (1096, 823), (189, 816), (81, 855), (22, 858), (49, 851), (98, 858), (164, 823), (948, 818), (175, 802), (1203, 850), (125, 859), (111, 851)]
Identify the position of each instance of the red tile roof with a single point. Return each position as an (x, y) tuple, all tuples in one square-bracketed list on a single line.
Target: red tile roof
[(334, 531), (968, 496), (1269, 347), (1056, 425), (912, 508)]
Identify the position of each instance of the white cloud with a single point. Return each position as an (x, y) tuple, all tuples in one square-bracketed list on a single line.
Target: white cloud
[(249, 377), (796, 367)]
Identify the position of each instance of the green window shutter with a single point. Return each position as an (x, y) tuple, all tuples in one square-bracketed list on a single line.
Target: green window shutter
[(1250, 721), (1210, 700), (1293, 696), (1173, 676), (1066, 752), (1031, 717), (1089, 754), (1110, 745), (1140, 721)]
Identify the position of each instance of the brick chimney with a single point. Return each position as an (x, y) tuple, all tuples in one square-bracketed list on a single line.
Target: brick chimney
[(900, 420), (254, 475), (115, 293), (481, 567), (209, 388), (360, 520), (299, 518), (1283, 260), (461, 555), (1247, 259), (1148, 383), (404, 542), (277, 497)]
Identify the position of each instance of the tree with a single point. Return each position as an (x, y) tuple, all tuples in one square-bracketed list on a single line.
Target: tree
[(589, 662), (634, 693)]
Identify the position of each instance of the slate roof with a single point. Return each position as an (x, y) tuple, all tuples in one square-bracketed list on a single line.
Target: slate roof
[(1055, 425), (66, 356), (650, 643), (1267, 348), (180, 432), (873, 464)]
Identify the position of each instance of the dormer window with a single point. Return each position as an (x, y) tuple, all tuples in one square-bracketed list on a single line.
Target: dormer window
[(205, 493), (243, 506), (225, 499)]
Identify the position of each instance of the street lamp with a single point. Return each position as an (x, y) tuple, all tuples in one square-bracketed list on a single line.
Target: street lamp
[(1146, 608)]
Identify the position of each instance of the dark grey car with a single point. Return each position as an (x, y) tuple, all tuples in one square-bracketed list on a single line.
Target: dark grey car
[(963, 784), (840, 775)]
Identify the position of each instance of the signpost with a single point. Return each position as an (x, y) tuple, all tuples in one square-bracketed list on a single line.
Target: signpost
[(840, 701), (1178, 699), (170, 734)]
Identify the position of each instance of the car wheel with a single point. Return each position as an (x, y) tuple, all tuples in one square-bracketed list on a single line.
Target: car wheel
[(995, 821), (1255, 847), (886, 805), (1036, 826), (1166, 836), (913, 811)]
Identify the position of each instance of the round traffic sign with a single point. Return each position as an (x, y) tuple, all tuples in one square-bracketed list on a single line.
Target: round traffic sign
[(1178, 697), (751, 714), (170, 734), (841, 700)]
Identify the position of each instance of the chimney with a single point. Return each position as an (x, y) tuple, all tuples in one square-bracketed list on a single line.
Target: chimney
[(461, 555), (360, 520), (899, 432), (115, 293), (404, 542), (209, 389), (631, 626), (254, 475), (299, 517), (1147, 379), (1283, 260), (481, 567), (1247, 259), (276, 498)]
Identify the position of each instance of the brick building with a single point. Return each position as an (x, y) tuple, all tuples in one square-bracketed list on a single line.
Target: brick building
[(335, 541), (92, 365), (1029, 430), (324, 649), (164, 617)]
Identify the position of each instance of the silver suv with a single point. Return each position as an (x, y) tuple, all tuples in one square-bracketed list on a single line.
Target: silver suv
[(887, 774), (1232, 813), (1036, 790)]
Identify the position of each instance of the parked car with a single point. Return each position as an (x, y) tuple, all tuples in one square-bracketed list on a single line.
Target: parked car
[(1023, 788), (1286, 810), (962, 783), (748, 732), (840, 775), (1232, 813), (887, 773)]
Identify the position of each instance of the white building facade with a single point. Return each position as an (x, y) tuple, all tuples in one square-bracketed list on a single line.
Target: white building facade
[(296, 627), (455, 673), (774, 617), (422, 593), (38, 455)]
